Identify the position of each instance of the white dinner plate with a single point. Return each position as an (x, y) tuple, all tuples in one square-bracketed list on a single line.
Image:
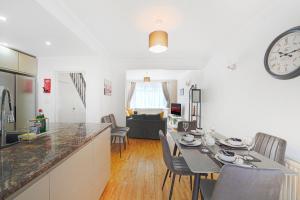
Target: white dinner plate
[(196, 142), (197, 133), (238, 161), (224, 142)]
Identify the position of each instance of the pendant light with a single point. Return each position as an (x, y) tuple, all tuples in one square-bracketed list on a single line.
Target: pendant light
[(158, 40)]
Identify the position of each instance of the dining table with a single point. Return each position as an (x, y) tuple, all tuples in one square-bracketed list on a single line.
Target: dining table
[(201, 162)]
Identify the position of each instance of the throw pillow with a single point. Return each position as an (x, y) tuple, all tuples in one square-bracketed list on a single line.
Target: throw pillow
[(161, 115)]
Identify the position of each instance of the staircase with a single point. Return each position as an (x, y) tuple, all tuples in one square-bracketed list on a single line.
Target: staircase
[(80, 85)]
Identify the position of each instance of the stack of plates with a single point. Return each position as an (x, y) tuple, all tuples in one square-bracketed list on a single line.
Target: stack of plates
[(233, 143), (237, 161), (197, 132), (194, 143)]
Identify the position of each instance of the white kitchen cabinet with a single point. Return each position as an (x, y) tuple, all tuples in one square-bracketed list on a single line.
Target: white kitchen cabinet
[(8, 59), (83, 175), (73, 178), (102, 161), (27, 64), (37, 191)]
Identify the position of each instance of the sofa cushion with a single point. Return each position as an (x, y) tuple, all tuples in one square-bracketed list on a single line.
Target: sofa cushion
[(152, 117), (138, 117)]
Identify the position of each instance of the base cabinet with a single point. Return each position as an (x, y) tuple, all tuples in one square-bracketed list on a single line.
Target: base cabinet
[(37, 191), (82, 176)]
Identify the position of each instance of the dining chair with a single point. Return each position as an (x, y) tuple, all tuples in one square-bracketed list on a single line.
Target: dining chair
[(192, 125), (121, 135), (175, 165), (116, 128), (243, 183), (270, 146)]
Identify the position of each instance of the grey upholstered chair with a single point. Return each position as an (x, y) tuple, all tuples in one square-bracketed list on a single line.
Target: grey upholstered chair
[(242, 183), (114, 125), (175, 165), (115, 133), (192, 126), (270, 146)]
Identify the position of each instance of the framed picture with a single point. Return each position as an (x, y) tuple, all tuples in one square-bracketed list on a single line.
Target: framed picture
[(181, 91), (107, 87)]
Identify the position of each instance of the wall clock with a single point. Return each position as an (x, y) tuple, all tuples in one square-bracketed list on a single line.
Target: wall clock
[(282, 58)]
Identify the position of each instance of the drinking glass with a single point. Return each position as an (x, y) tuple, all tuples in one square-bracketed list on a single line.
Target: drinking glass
[(185, 126), (249, 143)]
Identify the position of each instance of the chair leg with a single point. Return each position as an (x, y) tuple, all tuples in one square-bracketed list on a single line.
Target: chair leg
[(212, 176), (120, 146), (191, 182), (175, 150), (165, 179), (124, 142), (170, 174), (179, 178), (172, 186), (127, 139)]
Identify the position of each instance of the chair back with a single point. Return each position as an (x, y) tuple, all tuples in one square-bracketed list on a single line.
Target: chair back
[(166, 151), (192, 126), (236, 183), (270, 146), (105, 119), (113, 121)]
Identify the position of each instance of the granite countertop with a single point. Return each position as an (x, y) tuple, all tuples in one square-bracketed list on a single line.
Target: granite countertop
[(23, 162)]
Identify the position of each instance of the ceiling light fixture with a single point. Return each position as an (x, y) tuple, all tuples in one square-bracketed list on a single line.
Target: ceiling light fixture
[(147, 79), (3, 19), (48, 43), (158, 40)]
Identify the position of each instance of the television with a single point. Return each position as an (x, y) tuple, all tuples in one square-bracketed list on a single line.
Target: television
[(176, 109)]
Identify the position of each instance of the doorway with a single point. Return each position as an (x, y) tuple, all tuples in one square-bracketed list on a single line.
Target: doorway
[(70, 97)]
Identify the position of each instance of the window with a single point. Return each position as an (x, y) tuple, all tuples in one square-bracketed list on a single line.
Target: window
[(148, 95)]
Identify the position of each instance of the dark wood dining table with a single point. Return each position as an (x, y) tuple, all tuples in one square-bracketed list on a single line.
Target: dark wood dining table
[(200, 162)]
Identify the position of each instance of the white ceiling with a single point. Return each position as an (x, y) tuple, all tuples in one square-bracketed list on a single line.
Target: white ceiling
[(196, 28), (28, 26)]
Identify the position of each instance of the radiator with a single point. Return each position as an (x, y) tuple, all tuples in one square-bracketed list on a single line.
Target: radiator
[(291, 186)]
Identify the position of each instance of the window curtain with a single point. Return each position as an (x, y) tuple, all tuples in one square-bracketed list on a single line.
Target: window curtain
[(166, 93), (148, 95), (130, 93)]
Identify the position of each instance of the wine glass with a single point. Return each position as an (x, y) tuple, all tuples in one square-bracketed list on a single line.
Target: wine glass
[(185, 126), (249, 143)]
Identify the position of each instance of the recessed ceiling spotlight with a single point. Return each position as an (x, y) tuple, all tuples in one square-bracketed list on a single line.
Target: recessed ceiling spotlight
[(3, 19), (48, 43), (3, 44)]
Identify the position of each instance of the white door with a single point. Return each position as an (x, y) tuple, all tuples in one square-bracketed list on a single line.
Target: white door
[(69, 106)]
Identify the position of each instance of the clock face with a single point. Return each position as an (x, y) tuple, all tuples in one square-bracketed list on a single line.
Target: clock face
[(282, 59)]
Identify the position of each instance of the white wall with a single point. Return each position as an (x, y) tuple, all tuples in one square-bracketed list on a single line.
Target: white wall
[(248, 100), (69, 106), (95, 69)]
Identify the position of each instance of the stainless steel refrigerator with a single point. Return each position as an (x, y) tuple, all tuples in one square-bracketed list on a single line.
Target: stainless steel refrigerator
[(23, 97)]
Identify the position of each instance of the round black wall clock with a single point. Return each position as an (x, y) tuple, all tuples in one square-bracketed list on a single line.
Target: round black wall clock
[(282, 58)]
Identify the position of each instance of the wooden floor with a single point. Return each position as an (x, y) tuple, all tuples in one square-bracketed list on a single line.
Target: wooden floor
[(138, 175)]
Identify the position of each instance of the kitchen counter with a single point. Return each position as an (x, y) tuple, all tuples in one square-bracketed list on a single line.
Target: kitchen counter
[(24, 162)]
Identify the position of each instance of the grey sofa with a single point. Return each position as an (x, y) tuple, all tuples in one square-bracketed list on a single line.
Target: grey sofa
[(146, 126)]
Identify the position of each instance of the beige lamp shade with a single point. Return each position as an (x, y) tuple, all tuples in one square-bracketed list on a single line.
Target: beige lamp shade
[(158, 41), (146, 79)]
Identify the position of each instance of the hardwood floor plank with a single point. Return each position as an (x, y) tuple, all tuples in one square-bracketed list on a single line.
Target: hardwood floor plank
[(138, 175)]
